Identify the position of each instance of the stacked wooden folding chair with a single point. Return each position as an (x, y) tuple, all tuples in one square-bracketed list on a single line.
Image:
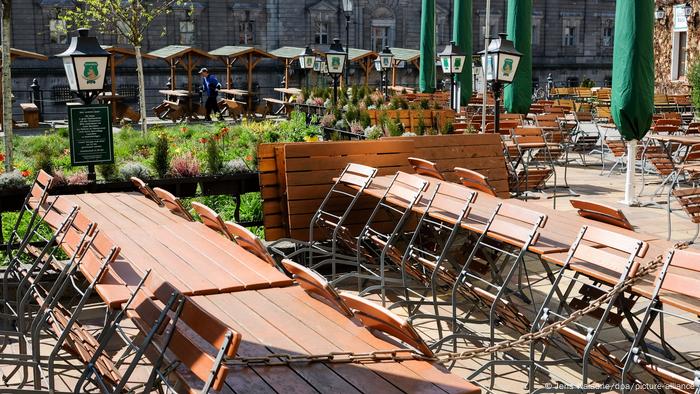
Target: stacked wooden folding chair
[(601, 213), (173, 203), (146, 190), (475, 180), (426, 168), (597, 262), (672, 368), (534, 164), (377, 236), (493, 275), (584, 142), (211, 219), (331, 221)]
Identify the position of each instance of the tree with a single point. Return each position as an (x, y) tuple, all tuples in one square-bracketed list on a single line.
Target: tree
[(6, 82), (129, 19)]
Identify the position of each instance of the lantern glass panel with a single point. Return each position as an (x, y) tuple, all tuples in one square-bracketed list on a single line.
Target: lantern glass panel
[(335, 63), (446, 66), (507, 65), (70, 73), (458, 64), (386, 61), (90, 72), (308, 62), (489, 62)]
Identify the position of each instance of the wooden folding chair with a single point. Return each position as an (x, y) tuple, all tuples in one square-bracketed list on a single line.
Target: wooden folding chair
[(211, 219), (146, 190), (475, 180), (689, 200), (378, 318), (398, 200), (173, 203), (199, 344), (606, 258), (331, 219), (313, 283), (678, 277), (425, 167), (601, 213), (249, 241)]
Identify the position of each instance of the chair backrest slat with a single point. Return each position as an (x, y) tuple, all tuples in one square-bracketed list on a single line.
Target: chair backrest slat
[(314, 283), (381, 319), (425, 167), (146, 190), (172, 203), (617, 241), (602, 213), (211, 219), (249, 241), (474, 180)]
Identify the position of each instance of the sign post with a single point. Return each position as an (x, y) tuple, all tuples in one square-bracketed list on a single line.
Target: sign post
[(90, 134)]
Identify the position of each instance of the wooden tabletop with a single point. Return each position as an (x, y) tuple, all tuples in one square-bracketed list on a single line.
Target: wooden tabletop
[(557, 235), (289, 321), (177, 93), (679, 139), (186, 255), (289, 91), (234, 92)]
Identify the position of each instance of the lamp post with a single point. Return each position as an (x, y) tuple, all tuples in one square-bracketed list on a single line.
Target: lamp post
[(660, 14), (386, 61), (307, 61), (335, 62), (85, 64), (501, 61), (347, 10), (452, 62)]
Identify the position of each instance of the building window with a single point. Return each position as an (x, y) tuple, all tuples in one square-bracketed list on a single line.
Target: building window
[(246, 30), (536, 31), (680, 55), (569, 36), (494, 24), (383, 26), (187, 32), (608, 33), (321, 35), (58, 32)]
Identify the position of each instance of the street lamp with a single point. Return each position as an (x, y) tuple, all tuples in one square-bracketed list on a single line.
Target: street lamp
[(383, 63), (452, 62), (307, 61), (501, 60), (688, 10), (335, 62), (85, 63), (347, 10)]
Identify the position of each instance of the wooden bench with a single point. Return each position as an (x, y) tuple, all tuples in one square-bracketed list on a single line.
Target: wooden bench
[(31, 114)]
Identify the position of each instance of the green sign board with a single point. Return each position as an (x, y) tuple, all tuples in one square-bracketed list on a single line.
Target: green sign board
[(90, 131)]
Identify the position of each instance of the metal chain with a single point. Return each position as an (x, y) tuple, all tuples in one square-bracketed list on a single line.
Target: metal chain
[(398, 355)]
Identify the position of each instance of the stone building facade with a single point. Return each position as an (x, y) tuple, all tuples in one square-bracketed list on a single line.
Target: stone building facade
[(571, 39), (676, 44)]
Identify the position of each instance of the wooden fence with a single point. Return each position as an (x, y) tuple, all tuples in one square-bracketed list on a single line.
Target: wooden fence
[(295, 177)]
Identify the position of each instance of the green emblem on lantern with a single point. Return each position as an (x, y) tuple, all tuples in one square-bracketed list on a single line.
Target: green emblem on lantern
[(90, 72), (507, 67)]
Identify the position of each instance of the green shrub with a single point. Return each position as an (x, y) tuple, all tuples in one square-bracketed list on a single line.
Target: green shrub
[(108, 171), (136, 169), (365, 120), (420, 128), (12, 180), (214, 160), (694, 80), (448, 128), (161, 155), (424, 104)]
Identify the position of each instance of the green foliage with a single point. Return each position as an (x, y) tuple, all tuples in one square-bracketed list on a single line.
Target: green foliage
[(161, 155), (424, 104), (134, 169), (352, 114), (296, 129), (448, 128), (108, 171), (694, 80), (420, 128), (214, 160), (12, 180), (365, 120)]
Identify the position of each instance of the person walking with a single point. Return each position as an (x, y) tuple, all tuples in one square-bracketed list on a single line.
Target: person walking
[(210, 86)]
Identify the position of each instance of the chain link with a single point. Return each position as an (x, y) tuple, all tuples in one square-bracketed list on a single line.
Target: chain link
[(399, 355)]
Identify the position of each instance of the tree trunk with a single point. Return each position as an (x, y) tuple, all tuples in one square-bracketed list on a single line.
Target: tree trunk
[(7, 82), (142, 88)]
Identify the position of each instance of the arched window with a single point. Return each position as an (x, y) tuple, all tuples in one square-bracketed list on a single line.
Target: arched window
[(383, 28)]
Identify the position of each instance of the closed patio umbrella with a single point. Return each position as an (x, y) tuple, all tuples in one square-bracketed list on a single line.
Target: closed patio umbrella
[(462, 28), (518, 95), (633, 78), (426, 81)]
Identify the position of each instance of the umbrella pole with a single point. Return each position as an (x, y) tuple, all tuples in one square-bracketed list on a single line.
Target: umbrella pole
[(630, 195), (487, 30)]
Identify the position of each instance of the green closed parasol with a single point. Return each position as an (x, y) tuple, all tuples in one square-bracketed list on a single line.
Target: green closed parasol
[(426, 82), (518, 95), (462, 36)]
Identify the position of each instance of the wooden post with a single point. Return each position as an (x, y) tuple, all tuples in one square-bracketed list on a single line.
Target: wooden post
[(286, 73), (228, 72), (393, 74), (172, 75), (250, 83), (113, 78), (188, 67)]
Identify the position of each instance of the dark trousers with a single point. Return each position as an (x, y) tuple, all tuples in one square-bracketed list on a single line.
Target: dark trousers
[(211, 105)]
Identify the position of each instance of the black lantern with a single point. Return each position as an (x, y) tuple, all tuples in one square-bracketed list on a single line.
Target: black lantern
[(335, 62), (501, 61), (452, 62), (659, 14), (383, 63), (85, 64), (307, 61), (688, 10)]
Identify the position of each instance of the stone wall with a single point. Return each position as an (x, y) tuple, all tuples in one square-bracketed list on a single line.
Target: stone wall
[(663, 48)]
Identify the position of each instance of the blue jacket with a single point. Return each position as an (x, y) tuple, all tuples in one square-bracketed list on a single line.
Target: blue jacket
[(210, 85)]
